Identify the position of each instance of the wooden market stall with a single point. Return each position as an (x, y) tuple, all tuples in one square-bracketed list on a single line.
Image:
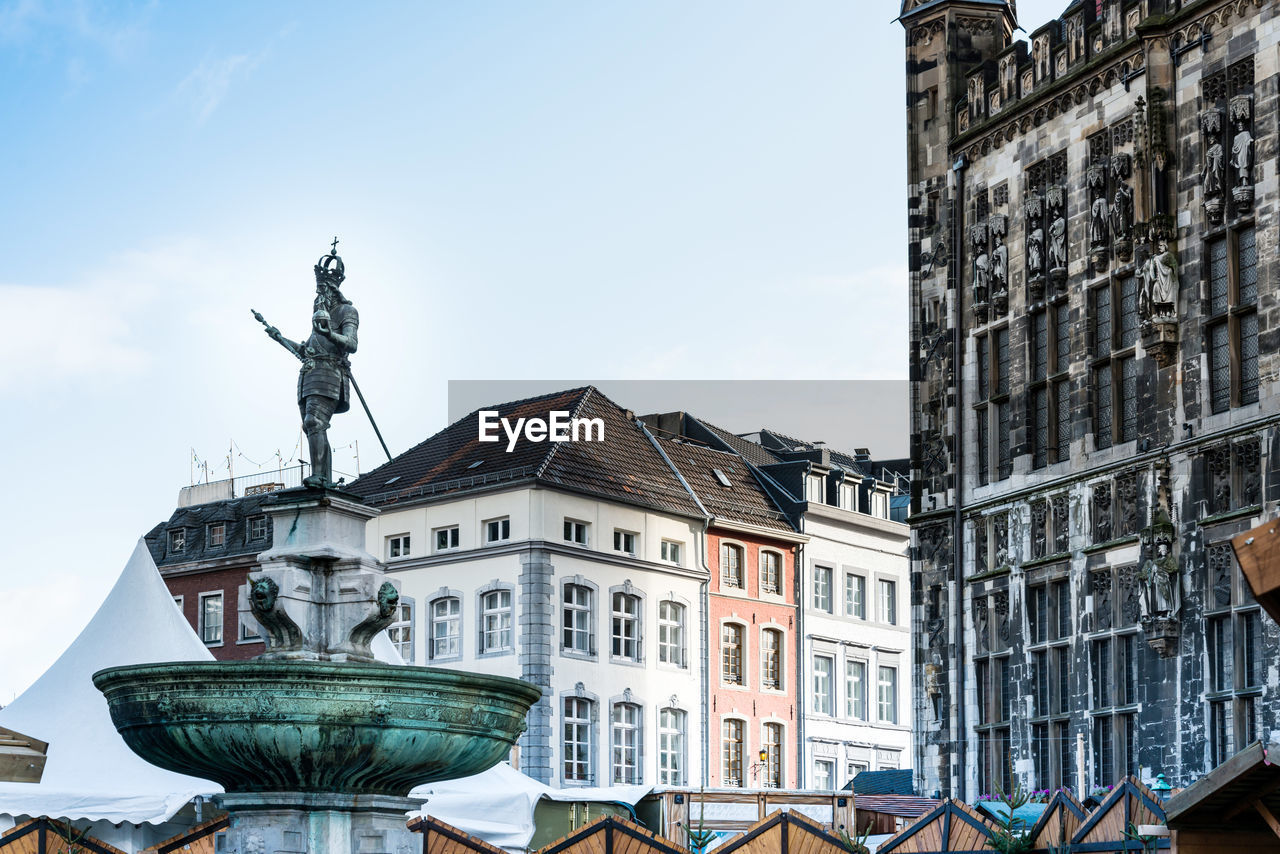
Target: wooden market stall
[(615, 835), (953, 827), (1114, 824), (1059, 822), (201, 839), (785, 832), (1233, 808), (440, 837), (47, 836)]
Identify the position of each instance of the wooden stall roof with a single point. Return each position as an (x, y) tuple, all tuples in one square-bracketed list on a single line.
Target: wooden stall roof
[(199, 839), (1242, 793), (1129, 803), (1258, 553), (439, 837), (953, 826), (786, 832), (1060, 820), (46, 836), (615, 835), (21, 757)]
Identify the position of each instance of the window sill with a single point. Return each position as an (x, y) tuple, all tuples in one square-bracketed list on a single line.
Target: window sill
[(213, 644), (1115, 542), (497, 653), (249, 641), (625, 662), (578, 654), (1046, 560), (1231, 515), (446, 659)]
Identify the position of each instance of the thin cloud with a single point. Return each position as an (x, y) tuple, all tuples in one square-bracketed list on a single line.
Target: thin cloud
[(205, 88)]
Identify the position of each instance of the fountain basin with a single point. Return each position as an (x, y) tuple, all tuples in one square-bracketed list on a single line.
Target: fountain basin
[(316, 726)]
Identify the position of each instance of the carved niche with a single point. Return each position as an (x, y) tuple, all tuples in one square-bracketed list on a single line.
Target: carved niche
[(1102, 530), (1056, 240), (1100, 587), (1122, 207), (1162, 586), (981, 629), (1127, 503), (1158, 300), (1039, 518), (1061, 524), (981, 271), (1000, 604), (998, 226)]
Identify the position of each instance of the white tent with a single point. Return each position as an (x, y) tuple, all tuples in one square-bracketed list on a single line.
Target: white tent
[(497, 805), (90, 773)]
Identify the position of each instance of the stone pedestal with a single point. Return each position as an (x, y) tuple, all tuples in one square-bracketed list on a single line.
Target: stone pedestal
[(308, 823), (318, 595)]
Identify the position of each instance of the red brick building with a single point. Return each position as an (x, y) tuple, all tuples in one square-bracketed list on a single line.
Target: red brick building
[(750, 552)]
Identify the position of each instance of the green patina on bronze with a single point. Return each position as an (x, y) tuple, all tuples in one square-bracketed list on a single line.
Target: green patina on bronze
[(316, 726)]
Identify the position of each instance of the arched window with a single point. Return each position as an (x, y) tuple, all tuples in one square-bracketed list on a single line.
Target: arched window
[(626, 626), (671, 747), (446, 627), (731, 566), (577, 619), (770, 572), (771, 659), (577, 740), (626, 743), (671, 633), (731, 654), (495, 621)]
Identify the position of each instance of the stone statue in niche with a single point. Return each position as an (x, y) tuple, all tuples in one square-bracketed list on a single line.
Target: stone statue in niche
[(981, 276), (1003, 624), (933, 683), (999, 226), (1057, 236), (1122, 208), (1158, 302), (1241, 108), (981, 629), (1102, 512), (1033, 212), (1162, 586), (1214, 158), (1098, 216)]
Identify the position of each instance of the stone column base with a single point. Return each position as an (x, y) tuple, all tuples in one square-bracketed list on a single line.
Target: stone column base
[(319, 823)]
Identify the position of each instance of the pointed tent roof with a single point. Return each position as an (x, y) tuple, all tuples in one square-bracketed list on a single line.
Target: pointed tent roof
[(1130, 802), (1061, 818), (90, 773), (953, 826)]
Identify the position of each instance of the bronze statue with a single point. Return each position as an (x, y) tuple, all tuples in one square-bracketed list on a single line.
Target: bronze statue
[(325, 379)]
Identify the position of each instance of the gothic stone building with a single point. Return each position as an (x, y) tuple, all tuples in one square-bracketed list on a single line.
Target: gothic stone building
[(1095, 331)]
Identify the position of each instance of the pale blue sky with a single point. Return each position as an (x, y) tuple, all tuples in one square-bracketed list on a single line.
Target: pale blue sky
[(523, 190)]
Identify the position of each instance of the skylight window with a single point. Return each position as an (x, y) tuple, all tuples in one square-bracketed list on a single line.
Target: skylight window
[(724, 481), (393, 480), (475, 464)]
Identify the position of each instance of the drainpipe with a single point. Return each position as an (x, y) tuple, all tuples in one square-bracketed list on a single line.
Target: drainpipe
[(799, 671), (957, 533)]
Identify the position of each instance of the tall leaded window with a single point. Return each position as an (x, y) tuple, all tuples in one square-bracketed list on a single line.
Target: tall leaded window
[(576, 745), (772, 778), (731, 654), (1236, 670), (211, 617), (671, 751), (1113, 333), (770, 573), (991, 410), (731, 566), (495, 621), (577, 618), (888, 694), (822, 685), (855, 689), (1049, 381), (671, 633), (626, 626), (771, 659), (888, 601), (626, 743), (446, 627), (1232, 325), (1114, 661), (732, 751)]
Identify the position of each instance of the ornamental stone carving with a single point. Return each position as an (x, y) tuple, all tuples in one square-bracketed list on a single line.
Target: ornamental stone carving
[(1162, 586)]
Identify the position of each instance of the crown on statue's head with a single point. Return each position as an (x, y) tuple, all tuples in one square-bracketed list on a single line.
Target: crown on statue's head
[(330, 268)]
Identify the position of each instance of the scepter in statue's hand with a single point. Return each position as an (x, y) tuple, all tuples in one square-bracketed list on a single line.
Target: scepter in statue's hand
[(275, 335)]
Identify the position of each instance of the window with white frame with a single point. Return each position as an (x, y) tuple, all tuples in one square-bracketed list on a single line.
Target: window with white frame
[(576, 620), (822, 699), (822, 588), (624, 541), (257, 527), (771, 778), (731, 574), (626, 626), (497, 530), (576, 532), (576, 748), (446, 627), (771, 659), (770, 572), (731, 654), (401, 631), (626, 744), (855, 689), (888, 602), (671, 551), (822, 771), (888, 694), (249, 631), (814, 489), (733, 749), (216, 535), (177, 541), (495, 621), (211, 618), (446, 538), (671, 633), (855, 596), (671, 741), (397, 546)]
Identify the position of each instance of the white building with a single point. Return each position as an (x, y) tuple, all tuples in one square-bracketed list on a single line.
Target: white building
[(574, 566)]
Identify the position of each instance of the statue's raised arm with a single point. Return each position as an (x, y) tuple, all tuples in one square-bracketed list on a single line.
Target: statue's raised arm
[(274, 334)]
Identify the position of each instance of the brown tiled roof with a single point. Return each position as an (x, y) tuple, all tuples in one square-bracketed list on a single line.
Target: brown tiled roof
[(624, 467), (752, 452), (743, 500)]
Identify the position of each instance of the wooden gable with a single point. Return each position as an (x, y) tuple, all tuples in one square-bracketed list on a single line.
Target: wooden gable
[(953, 826), (198, 840), (785, 831), (1127, 806), (612, 834), (1059, 822), (443, 838), (46, 836)]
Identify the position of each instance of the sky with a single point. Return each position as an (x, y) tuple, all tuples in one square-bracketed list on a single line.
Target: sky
[(654, 190)]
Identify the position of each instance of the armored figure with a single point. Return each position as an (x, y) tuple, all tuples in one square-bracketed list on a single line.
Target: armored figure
[(325, 379)]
